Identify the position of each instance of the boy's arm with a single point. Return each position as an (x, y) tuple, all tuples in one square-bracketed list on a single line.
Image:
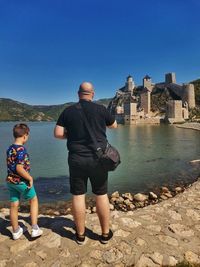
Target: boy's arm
[(24, 174)]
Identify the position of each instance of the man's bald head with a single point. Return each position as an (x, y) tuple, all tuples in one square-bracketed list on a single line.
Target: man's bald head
[(86, 90)]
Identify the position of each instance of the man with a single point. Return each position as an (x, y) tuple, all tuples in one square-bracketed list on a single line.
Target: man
[(83, 162)]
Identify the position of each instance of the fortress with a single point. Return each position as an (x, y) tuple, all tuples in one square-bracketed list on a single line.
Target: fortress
[(137, 104)]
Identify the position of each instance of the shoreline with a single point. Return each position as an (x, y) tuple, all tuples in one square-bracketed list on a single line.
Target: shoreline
[(124, 202), (189, 125)]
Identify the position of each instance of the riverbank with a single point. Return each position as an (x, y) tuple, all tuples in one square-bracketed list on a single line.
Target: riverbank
[(163, 234), (190, 125)]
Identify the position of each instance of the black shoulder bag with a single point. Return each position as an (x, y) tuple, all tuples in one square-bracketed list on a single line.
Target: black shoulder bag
[(110, 158)]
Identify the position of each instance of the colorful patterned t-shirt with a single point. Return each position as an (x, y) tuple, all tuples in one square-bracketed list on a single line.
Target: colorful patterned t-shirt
[(17, 154)]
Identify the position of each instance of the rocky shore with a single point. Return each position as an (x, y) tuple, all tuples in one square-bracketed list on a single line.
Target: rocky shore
[(159, 234), (190, 125)]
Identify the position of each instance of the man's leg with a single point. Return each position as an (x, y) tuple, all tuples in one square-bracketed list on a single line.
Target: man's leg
[(14, 215), (78, 209), (103, 211)]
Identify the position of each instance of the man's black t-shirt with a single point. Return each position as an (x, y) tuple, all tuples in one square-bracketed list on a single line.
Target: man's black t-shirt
[(78, 139)]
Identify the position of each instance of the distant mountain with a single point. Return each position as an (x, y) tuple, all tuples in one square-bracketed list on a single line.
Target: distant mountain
[(11, 110)]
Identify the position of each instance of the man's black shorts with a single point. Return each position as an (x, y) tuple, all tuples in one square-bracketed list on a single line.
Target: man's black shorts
[(83, 167)]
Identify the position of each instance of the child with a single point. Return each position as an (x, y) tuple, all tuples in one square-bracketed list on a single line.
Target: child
[(20, 182)]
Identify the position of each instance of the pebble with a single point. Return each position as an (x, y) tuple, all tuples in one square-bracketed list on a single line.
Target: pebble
[(140, 197)]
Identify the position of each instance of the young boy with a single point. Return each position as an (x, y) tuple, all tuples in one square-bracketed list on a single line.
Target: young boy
[(20, 182)]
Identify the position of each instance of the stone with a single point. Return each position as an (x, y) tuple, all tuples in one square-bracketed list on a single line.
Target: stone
[(112, 255), (180, 230), (128, 196), (94, 209), (140, 197), (156, 258), (140, 242), (125, 248), (163, 197), (191, 257), (52, 240), (145, 261), (148, 218), (128, 222), (56, 264), (168, 240), (96, 254), (197, 227), (174, 215), (65, 253), (121, 233), (41, 254), (155, 228), (152, 195), (164, 189), (3, 263), (168, 195), (21, 245), (31, 264), (112, 207), (115, 194), (127, 202), (178, 189), (170, 261), (193, 215)]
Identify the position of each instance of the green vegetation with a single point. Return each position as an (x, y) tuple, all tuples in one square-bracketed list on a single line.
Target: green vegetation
[(11, 110)]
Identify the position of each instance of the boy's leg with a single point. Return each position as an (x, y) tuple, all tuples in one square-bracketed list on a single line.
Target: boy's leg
[(34, 210), (78, 209), (14, 215), (103, 212)]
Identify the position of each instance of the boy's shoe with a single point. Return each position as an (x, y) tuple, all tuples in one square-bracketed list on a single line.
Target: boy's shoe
[(80, 239), (104, 238), (19, 233), (36, 232)]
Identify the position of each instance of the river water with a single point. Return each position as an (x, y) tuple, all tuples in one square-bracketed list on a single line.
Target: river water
[(152, 156)]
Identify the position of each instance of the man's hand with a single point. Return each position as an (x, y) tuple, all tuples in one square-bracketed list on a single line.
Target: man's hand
[(113, 126)]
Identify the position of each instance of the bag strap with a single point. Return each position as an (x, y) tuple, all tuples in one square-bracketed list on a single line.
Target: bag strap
[(97, 148)]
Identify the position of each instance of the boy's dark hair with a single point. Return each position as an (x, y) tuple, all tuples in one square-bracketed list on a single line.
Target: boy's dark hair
[(20, 130)]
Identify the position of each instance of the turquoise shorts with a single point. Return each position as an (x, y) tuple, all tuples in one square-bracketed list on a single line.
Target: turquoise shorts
[(21, 189)]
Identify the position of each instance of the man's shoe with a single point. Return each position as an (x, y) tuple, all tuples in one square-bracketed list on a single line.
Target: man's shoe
[(106, 237), (19, 233), (80, 239), (36, 232)]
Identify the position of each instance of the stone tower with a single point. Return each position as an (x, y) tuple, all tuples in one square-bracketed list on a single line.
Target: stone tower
[(170, 78), (189, 95), (174, 111), (147, 82), (130, 85), (146, 101)]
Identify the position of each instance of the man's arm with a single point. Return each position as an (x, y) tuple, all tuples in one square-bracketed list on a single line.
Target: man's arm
[(60, 132), (113, 126)]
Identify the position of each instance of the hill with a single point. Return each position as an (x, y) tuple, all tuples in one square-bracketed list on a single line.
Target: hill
[(11, 110), (197, 91)]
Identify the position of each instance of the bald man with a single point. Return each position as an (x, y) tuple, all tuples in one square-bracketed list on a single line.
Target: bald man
[(82, 160)]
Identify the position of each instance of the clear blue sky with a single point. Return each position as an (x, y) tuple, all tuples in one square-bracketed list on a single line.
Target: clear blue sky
[(48, 47)]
